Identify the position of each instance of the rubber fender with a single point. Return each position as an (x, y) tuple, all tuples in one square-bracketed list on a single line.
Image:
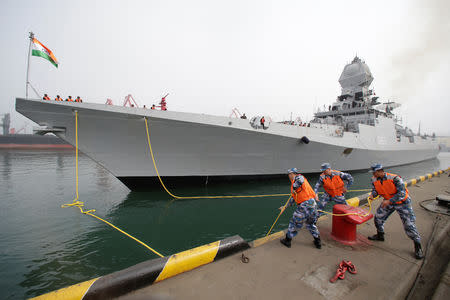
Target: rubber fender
[(304, 140)]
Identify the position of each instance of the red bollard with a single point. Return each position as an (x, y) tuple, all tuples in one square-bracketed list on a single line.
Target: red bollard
[(344, 227)]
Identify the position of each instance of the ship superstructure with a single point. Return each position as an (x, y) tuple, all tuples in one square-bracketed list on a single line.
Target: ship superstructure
[(358, 104)]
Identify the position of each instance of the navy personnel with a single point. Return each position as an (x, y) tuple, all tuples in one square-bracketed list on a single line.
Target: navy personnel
[(262, 122), (303, 196), (335, 184), (396, 198)]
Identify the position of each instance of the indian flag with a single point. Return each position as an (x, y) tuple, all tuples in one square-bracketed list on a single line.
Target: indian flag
[(40, 50)]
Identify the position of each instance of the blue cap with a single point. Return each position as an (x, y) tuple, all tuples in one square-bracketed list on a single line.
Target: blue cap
[(293, 170), (376, 167), (325, 166)]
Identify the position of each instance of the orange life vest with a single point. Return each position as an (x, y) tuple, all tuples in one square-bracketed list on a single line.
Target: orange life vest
[(387, 188), (303, 193), (69, 99), (58, 99), (78, 100), (334, 186), (46, 98)]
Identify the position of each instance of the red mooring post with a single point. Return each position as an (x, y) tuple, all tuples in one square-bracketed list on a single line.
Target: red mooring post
[(344, 227)]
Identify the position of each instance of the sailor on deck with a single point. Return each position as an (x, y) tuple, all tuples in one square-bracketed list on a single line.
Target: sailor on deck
[(396, 197), (306, 212), (262, 122), (335, 184)]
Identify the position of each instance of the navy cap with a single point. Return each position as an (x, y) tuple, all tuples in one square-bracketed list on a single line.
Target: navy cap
[(325, 166), (376, 167), (293, 170)]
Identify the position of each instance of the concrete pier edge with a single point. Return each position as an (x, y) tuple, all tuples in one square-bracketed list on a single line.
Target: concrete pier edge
[(155, 270), (149, 272)]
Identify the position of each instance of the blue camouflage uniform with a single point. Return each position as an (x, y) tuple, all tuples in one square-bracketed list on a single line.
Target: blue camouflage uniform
[(348, 181), (306, 212), (404, 209)]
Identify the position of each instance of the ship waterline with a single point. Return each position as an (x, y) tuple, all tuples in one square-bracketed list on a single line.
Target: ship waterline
[(199, 146)]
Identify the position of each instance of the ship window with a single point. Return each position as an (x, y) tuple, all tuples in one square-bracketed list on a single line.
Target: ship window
[(358, 95)]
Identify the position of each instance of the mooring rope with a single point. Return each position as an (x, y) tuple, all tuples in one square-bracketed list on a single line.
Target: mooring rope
[(203, 197), (80, 204)]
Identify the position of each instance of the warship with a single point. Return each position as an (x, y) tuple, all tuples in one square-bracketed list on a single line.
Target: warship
[(356, 130), (10, 139)]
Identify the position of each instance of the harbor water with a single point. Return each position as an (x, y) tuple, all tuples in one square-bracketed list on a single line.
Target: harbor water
[(44, 247)]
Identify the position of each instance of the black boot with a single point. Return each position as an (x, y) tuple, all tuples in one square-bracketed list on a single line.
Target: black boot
[(286, 241), (317, 242), (377, 237), (418, 250)]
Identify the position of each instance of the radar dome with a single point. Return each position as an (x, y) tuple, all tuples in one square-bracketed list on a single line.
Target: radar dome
[(355, 74)]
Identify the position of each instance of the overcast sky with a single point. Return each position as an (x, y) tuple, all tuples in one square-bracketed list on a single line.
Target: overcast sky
[(262, 57)]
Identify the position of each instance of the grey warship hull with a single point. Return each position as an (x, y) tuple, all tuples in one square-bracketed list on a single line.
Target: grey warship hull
[(203, 147)]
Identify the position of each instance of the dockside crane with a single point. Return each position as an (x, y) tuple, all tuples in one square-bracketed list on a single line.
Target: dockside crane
[(6, 122)]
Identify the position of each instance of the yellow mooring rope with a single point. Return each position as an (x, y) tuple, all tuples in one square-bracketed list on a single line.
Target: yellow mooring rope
[(350, 214), (279, 215), (328, 213), (80, 204), (205, 197)]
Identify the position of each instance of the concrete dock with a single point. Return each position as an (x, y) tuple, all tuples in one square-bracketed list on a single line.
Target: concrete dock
[(385, 270)]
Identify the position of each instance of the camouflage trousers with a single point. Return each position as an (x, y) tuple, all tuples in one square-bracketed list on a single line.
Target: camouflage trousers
[(406, 214), (327, 198), (306, 212)]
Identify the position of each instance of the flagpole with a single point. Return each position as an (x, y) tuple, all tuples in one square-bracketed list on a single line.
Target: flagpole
[(28, 64)]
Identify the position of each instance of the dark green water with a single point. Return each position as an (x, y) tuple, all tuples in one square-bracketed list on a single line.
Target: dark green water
[(44, 247)]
